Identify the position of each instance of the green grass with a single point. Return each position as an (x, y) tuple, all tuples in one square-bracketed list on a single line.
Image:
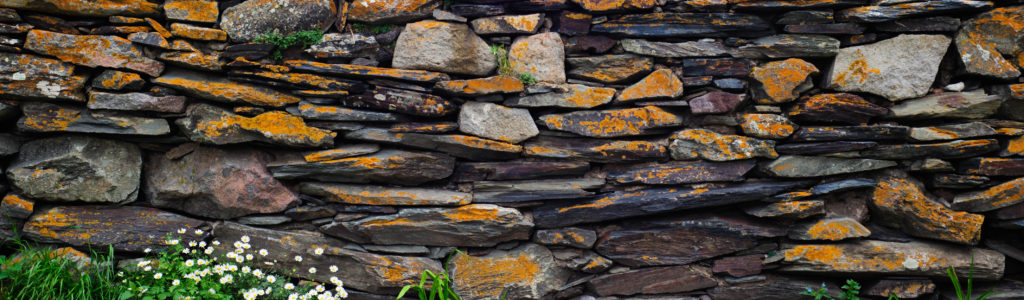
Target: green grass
[(375, 29), (305, 38), (433, 286), (39, 273)]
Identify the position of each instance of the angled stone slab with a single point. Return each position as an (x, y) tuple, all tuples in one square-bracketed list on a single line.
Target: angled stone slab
[(218, 89), (680, 172), (999, 196), (870, 257), (514, 191), (474, 225), (126, 228), (381, 195), (92, 51), (596, 150), (49, 117), (357, 71), (685, 25), (387, 166), (965, 105), (209, 124), (463, 146), (815, 166), (899, 201)]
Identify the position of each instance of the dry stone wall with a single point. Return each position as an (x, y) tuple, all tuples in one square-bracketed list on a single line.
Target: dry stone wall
[(573, 149)]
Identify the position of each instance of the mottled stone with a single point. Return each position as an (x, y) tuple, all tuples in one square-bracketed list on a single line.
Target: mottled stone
[(787, 209), (682, 49), (380, 195), (926, 24), (217, 88), (882, 13), (836, 108), (333, 113), (680, 172), (596, 150), (685, 25), (482, 86), (951, 132), (852, 133), (77, 168), (344, 45), (815, 166), (872, 258), (89, 8), (365, 71), (789, 45), (443, 47), (125, 228), (463, 146), (902, 288), (612, 123), (574, 96), (883, 68), (402, 101), (767, 126), (609, 69), (618, 205), (340, 152), (518, 191), (715, 102), (705, 144), (31, 77), (152, 39), (540, 55), (17, 207), (117, 80), (899, 201), (833, 229), (569, 236), (515, 170), (496, 122), (192, 60), (508, 24), (438, 127), (782, 81), (717, 67), (209, 124), (49, 117), (136, 102), (954, 149), (993, 166), (245, 21), (526, 272), (202, 11), (965, 105), (92, 51), (474, 225), (999, 196), (200, 33), (392, 11), (660, 84), (738, 266), (984, 40), (660, 280), (388, 166), (834, 28)]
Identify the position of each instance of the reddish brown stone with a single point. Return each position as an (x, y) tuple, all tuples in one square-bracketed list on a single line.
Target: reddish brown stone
[(125, 228), (513, 170), (836, 108), (715, 102), (738, 266), (680, 172), (993, 166), (661, 280), (482, 86), (603, 6)]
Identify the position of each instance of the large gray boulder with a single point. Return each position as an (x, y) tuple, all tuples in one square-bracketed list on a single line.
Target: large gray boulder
[(246, 21), (898, 68), (77, 168), (443, 47)]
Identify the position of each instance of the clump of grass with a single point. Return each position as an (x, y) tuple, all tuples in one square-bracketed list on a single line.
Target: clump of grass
[(433, 286), (962, 294), (375, 29), (41, 273), (505, 68), (305, 38)]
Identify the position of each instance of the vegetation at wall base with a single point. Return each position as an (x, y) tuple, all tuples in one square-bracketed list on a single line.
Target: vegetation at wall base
[(38, 272)]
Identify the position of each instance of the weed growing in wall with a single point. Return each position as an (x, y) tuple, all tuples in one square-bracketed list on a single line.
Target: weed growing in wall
[(505, 68), (43, 273), (305, 38)]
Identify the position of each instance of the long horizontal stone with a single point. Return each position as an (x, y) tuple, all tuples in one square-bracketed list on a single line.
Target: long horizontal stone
[(92, 51), (462, 146), (218, 89), (851, 133), (136, 102), (380, 195), (49, 117), (209, 124), (126, 228), (474, 225), (358, 71), (954, 149), (596, 150), (516, 170), (386, 166), (993, 166), (823, 147), (966, 105), (620, 205), (28, 76), (661, 280), (789, 45), (872, 258), (574, 96), (815, 166), (301, 80), (612, 123), (882, 13), (685, 25), (680, 172), (88, 8), (402, 101), (533, 190), (311, 111), (951, 132), (999, 196)]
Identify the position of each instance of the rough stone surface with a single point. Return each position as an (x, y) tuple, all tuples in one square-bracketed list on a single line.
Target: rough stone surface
[(834, 229), (482, 86), (49, 117), (609, 69), (597, 150), (767, 126), (371, 11), (782, 81), (660, 84), (218, 89), (92, 51), (900, 202), (203, 11), (660, 280), (966, 105), (540, 55), (621, 122), (574, 96), (246, 21), (508, 24), (877, 257), (715, 102), (125, 228), (813, 166), (136, 101), (790, 45), (999, 196), (215, 183), (526, 272), (462, 146), (983, 40), (836, 108), (678, 172), (77, 168), (474, 225), (898, 68), (705, 144), (570, 236), (92, 8), (380, 195), (951, 132), (682, 49), (117, 80), (497, 122), (212, 125), (443, 47), (397, 166)]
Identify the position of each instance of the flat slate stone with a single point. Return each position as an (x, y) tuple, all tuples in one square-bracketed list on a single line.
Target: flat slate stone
[(32, 77), (965, 105), (815, 166), (92, 51), (899, 201), (381, 195), (767, 126), (669, 241), (898, 68), (516, 170), (100, 8), (851, 133), (596, 150), (659, 280), (620, 122), (508, 24), (202, 11), (358, 71), (402, 101), (77, 168), (680, 172), (782, 4), (682, 49), (787, 209), (834, 28), (999, 196), (789, 45), (717, 67), (990, 166), (706, 144), (957, 181), (714, 102), (983, 40), (17, 207), (493, 121), (660, 84), (882, 13), (609, 69), (117, 80), (388, 166), (215, 183), (340, 152), (872, 258), (570, 236), (536, 275), (516, 191), (218, 89), (926, 24), (397, 11), (666, 25), (49, 117), (462, 146), (474, 225), (125, 228), (954, 149), (209, 124), (902, 288), (738, 266), (136, 102), (836, 108), (481, 86), (304, 81), (832, 229), (620, 205), (344, 45), (574, 96), (311, 111)]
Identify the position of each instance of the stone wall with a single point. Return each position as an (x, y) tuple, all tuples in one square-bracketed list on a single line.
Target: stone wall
[(643, 149)]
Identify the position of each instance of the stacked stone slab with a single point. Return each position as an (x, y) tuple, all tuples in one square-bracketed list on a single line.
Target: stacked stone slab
[(573, 149)]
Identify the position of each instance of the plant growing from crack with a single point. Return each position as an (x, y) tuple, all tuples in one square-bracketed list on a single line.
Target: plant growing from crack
[(505, 67), (305, 38)]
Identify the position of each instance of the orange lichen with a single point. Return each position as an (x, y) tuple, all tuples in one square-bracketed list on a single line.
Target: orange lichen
[(14, 201), (1016, 146), (372, 196), (231, 92), (93, 8), (903, 197), (275, 124), (54, 119), (662, 83), (779, 79), (483, 86), (343, 69), (766, 125), (192, 10), (198, 33), (631, 121), (522, 23), (724, 146), (835, 230), (366, 10), (92, 51), (490, 276), (611, 5), (475, 142)]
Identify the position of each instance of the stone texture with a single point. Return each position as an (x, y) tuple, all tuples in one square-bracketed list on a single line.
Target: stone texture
[(117, 80), (340, 152), (443, 47), (152, 39), (882, 13), (993, 166), (814, 166), (900, 202), (515, 170), (836, 108), (852, 133), (680, 172), (833, 229), (381, 195), (92, 51), (333, 113), (885, 69), (705, 144), (999, 196), (877, 257), (125, 228), (715, 102), (89, 8), (685, 25), (209, 124), (966, 105), (904, 289), (388, 166), (402, 101), (209, 87), (216, 183), (596, 150), (526, 272), (192, 60), (571, 236), (136, 102), (983, 40), (573, 96), (496, 122), (33, 77), (519, 191), (77, 168), (48, 117), (660, 84), (738, 266), (17, 207), (787, 209), (245, 21), (508, 24), (540, 55), (782, 81), (954, 149), (681, 49), (202, 11), (767, 126), (474, 225), (951, 131), (660, 280), (365, 71), (612, 123), (344, 45), (198, 33), (789, 45), (462, 146), (609, 69), (482, 86), (397, 11)]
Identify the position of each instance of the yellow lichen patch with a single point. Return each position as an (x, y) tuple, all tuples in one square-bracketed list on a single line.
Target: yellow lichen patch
[(630, 121), (273, 125), (483, 86), (778, 80), (789, 207), (612, 5), (766, 125), (904, 198), (372, 10), (192, 10), (1016, 146), (498, 24), (119, 80), (198, 33), (725, 146), (475, 142), (93, 8), (92, 51), (587, 97), (662, 83), (836, 229), (53, 119), (489, 276), (18, 203), (229, 91)]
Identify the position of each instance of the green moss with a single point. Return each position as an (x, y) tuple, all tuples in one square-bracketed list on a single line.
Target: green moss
[(305, 38), (505, 68), (375, 29)]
